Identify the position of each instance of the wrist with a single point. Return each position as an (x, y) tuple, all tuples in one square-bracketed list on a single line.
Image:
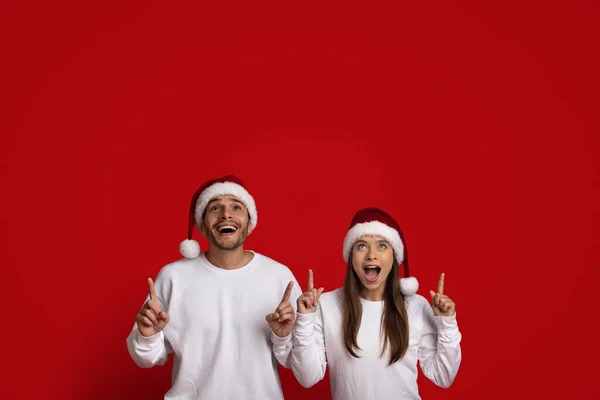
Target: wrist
[(149, 341), (279, 340), (281, 335)]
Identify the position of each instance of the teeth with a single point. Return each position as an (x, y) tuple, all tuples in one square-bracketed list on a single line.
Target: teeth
[(371, 267), (227, 226)]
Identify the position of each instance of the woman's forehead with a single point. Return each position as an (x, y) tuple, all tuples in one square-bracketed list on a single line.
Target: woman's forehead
[(371, 239)]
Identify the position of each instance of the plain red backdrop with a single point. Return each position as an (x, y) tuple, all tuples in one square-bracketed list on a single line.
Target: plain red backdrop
[(474, 125)]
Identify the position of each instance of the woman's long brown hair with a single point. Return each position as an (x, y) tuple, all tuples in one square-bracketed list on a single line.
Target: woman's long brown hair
[(394, 321)]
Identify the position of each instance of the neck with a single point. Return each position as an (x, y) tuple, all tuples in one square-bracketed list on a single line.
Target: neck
[(228, 259), (374, 294)]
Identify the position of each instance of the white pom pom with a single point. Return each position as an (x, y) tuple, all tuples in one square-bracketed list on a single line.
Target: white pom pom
[(409, 286), (189, 248)]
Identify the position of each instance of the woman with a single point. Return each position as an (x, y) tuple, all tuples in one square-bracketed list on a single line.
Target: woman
[(374, 330)]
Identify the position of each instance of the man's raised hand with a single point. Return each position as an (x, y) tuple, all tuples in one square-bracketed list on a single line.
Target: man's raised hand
[(151, 319), (281, 321)]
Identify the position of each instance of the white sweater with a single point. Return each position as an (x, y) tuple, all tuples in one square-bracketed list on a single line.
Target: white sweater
[(223, 347), (434, 342)]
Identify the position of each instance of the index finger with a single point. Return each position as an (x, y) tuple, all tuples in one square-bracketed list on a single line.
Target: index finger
[(441, 284), (310, 280), (288, 292), (151, 289)]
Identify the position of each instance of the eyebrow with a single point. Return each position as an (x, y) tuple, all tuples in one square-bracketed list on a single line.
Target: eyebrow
[(220, 200), (379, 241)]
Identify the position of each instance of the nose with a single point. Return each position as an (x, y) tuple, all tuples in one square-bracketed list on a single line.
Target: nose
[(226, 213), (371, 254)]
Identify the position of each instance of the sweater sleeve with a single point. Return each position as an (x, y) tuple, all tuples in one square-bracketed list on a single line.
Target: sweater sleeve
[(282, 347), (309, 357), (149, 351), (439, 350)]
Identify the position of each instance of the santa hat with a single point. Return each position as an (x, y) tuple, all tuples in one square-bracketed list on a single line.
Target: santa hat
[(375, 222), (226, 185)]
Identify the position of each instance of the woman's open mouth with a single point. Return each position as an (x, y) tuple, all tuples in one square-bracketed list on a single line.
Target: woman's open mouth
[(372, 272)]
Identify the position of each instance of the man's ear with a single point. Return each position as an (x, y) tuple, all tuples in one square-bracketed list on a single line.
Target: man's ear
[(202, 228)]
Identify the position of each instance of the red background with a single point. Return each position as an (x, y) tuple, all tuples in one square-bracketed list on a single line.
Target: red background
[(475, 126)]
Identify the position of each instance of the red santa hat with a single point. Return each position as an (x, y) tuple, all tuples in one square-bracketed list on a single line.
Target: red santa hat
[(226, 185), (375, 222)]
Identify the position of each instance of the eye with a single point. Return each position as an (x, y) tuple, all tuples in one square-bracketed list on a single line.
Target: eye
[(237, 207), (382, 246), (361, 246), (214, 208)]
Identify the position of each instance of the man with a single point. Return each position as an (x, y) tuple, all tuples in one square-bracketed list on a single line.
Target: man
[(209, 309)]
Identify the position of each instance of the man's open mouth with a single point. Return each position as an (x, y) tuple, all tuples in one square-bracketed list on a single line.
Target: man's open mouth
[(227, 229)]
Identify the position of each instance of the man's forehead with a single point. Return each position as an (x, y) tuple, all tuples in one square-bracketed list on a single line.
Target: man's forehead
[(225, 198)]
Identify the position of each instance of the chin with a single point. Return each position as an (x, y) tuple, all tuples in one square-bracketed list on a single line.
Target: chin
[(373, 286), (227, 246)]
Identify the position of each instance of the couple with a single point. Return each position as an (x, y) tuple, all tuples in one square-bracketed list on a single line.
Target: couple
[(209, 310)]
